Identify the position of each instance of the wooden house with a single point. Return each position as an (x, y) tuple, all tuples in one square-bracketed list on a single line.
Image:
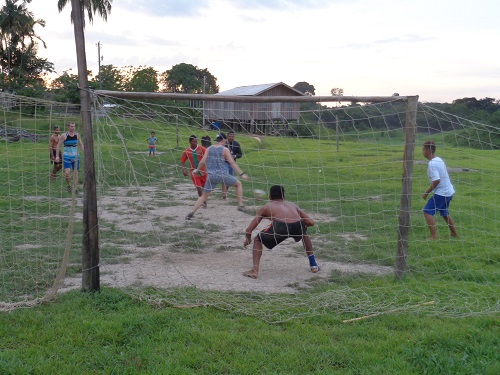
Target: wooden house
[(254, 117)]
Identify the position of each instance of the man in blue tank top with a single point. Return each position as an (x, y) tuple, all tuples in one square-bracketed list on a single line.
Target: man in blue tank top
[(71, 158)]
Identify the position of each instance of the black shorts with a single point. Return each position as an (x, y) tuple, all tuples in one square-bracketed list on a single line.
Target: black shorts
[(279, 231), (54, 155)]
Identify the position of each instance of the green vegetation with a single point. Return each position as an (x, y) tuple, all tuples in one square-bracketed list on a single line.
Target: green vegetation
[(111, 333), (442, 318)]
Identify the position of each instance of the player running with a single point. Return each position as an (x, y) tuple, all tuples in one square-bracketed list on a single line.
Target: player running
[(194, 153)]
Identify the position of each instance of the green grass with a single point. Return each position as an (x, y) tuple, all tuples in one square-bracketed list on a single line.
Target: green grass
[(111, 333), (359, 186)]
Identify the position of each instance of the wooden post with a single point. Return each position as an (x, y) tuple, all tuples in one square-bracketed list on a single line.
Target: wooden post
[(337, 130), (90, 242), (177, 129), (406, 189)]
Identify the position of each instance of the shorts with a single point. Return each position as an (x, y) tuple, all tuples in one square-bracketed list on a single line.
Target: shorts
[(229, 169), (70, 162), (152, 149), (212, 182), (53, 153), (199, 181), (438, 203), (279, 231)]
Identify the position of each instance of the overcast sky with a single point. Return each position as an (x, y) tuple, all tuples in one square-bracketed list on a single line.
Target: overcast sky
[(439, 49)]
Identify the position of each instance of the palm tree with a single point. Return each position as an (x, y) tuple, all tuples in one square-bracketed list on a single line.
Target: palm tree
[(17, 25), (102, 7)]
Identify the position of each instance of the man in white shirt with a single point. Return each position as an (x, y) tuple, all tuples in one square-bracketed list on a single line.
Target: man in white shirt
[(442, 188)]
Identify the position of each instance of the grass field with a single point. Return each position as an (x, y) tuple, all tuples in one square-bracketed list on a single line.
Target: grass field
[(456, 332)]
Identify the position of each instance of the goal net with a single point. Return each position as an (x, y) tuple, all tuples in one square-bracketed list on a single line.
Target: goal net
[(342, 162)]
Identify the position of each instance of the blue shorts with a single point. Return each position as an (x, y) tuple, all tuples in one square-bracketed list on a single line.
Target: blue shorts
[(229, 169), (71, 162), (212, 182), (438, 203)]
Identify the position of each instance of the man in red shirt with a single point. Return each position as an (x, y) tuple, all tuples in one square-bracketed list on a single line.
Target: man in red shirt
[(194, 153)]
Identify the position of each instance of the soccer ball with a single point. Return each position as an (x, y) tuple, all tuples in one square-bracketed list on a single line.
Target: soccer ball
[(261, 194)]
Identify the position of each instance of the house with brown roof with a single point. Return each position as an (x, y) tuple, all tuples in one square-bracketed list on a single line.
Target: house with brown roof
[(254, 117)]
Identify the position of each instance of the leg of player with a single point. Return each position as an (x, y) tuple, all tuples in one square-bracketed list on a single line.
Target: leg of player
[(239, 195), (256, 255), (198, 204), (451, 225), (431, 223), (67, 177), (200, 193), (306, 241), (224, 191)]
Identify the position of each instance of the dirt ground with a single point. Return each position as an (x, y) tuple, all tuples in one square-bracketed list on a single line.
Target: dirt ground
[(282, 270)]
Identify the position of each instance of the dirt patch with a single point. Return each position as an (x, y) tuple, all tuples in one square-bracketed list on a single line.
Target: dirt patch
[(217, 267)]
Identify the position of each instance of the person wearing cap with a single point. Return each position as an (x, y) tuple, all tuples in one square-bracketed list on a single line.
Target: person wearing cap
[(215, 161)]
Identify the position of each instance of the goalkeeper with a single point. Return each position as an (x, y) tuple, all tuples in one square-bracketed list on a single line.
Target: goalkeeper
[(287, 221)]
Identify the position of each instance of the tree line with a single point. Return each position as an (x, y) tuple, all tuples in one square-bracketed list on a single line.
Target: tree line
[(24, 73)]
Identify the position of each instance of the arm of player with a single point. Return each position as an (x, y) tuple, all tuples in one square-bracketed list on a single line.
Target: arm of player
[(238, 154), (308, 221), (80, 143), (62, 138), (431, 188), (253, 224)]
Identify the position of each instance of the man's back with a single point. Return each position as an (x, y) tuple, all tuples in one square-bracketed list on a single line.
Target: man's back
[(279, 210)]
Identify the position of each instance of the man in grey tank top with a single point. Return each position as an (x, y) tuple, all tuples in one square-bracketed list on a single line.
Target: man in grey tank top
[(215, 159)]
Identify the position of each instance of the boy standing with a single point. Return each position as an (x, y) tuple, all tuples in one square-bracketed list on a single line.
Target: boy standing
[(442, 188), (152, 141)]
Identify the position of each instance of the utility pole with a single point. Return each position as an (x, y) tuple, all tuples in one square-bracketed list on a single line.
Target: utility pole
[(99, 58), (204, 84)]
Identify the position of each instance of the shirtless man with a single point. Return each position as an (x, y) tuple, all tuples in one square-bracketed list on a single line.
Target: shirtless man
[(53, 141), (287, 221)]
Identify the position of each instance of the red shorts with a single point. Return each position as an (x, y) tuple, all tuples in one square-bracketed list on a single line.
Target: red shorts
[(199, 181)]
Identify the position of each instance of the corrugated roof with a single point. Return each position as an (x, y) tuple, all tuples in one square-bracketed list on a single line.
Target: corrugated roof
[(252, 90)]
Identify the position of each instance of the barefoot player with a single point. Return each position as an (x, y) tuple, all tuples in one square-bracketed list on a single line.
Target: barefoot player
[(287, 221)]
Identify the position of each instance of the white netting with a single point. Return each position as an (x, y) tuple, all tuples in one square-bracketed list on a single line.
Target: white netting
[(343, 165)]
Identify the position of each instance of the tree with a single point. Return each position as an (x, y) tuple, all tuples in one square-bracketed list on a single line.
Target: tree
[(141, 79), (337, 91), (110, 78), (188, 79), (65, 88), (103, 7), (304, 87), (21, 69)]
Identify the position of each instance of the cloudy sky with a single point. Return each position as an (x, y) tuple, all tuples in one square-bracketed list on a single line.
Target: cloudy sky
[(439, 49)]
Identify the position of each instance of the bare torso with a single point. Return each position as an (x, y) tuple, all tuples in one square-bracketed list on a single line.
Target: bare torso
[(279, 210), (54, 140)]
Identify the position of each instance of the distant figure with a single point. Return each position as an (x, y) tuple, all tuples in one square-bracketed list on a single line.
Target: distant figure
[(152, 141), (236, 153), (71, 158), (53, 142), (287, 221), (442, 188), (206, 141), (194, 153), (215, 159)]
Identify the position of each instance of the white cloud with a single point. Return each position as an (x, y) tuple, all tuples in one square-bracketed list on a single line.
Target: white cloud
[(442, 50)]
